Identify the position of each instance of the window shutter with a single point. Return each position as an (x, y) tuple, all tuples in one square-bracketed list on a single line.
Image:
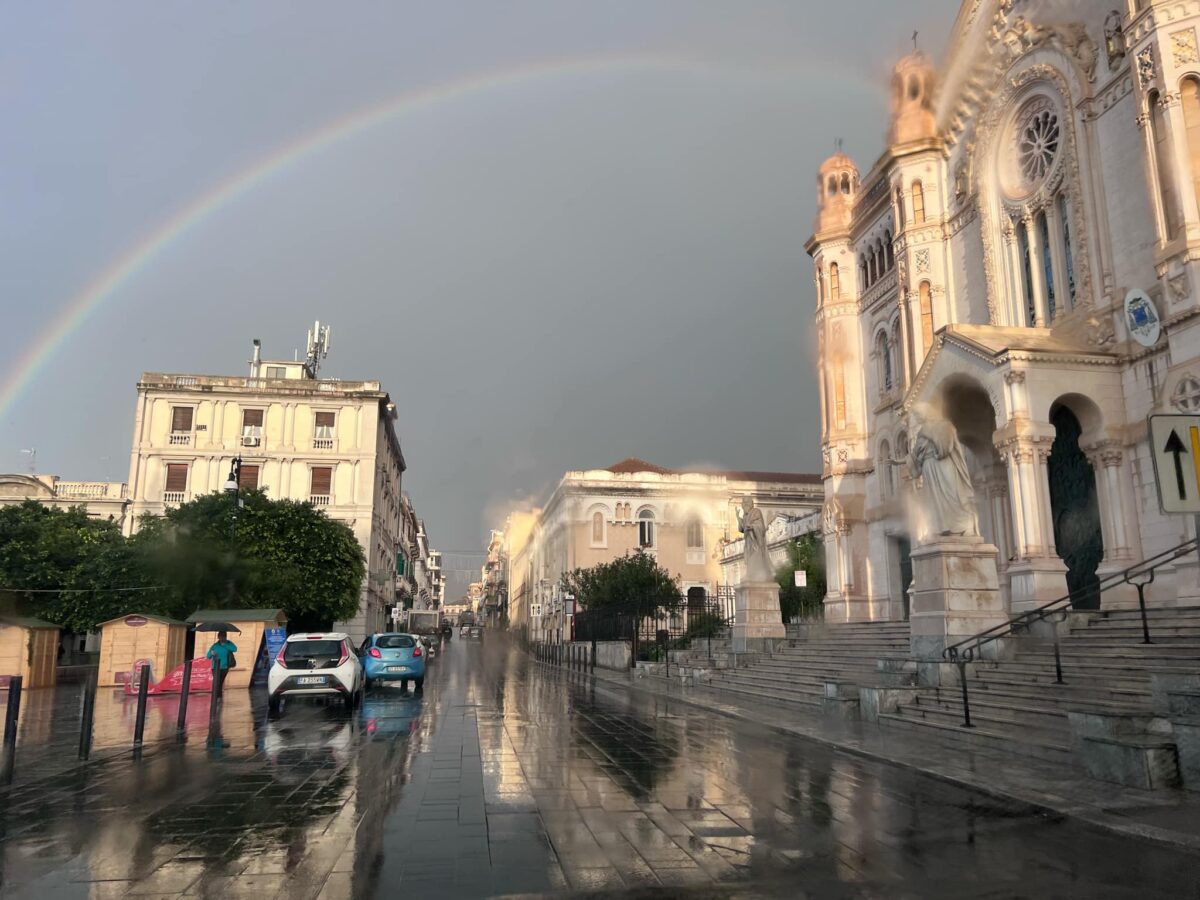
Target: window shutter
[(177, 477), (322, 481), (181, 419), (248, 477), (252, 418), (325, 420)]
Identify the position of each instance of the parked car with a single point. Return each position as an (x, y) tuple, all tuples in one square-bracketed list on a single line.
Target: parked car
[(312, 664), (394, 657)]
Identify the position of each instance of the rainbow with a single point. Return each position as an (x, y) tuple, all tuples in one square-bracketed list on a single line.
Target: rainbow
[(142, 254)]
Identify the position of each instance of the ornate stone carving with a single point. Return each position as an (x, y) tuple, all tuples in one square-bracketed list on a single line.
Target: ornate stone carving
[(1181, 289), (1186, 396), (1145, 66), (960, 181), (1114, 40), (1014, 377), (921, 258), (1183, 47), (1073, 39)]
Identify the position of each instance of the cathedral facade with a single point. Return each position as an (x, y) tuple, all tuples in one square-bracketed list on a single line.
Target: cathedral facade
[(1023, 258)]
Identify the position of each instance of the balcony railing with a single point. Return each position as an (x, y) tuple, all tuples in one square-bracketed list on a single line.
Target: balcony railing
[(323, 443), (174, 498), (91, 490), (319, 499), (181, 439)]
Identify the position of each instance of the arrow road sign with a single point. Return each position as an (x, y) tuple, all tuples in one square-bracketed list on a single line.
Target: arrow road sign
[(1175, 441), (1175, 447)]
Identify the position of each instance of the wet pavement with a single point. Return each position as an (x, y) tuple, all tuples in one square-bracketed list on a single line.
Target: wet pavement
[(506, 778)]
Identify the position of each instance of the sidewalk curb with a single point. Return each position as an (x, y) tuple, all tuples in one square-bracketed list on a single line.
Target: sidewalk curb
[(1088, 815)]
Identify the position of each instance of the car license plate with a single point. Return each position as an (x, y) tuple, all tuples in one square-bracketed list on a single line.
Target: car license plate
[(311, 680), (397, 668)]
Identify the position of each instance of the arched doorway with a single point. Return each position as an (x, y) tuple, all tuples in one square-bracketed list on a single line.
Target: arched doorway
[(696, 599), (1075, 509)]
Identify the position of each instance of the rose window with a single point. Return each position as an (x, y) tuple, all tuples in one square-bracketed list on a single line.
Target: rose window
[(1037, 145)]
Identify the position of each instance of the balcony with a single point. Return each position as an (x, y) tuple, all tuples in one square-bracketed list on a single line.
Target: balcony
[(319, 499), (181, 439), (91, 490), (324, 443), (174, 498)]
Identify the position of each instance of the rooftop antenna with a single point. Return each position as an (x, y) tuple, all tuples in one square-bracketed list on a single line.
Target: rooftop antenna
[(32, 460), (914, 40), (318, 348)]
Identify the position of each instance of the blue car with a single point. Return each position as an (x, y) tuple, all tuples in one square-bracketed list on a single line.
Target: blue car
[(394, 657)]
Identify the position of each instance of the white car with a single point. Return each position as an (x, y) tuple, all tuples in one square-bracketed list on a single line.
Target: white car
[(316, 663)]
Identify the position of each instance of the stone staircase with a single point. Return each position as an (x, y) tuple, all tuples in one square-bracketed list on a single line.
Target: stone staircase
[(798, 671), (1017, 706)]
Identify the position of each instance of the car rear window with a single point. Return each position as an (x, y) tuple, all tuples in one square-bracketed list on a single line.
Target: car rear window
[(394, 641), (311, 649)]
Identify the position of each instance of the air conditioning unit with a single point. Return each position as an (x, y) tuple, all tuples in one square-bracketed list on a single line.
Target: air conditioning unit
[(251, 441)]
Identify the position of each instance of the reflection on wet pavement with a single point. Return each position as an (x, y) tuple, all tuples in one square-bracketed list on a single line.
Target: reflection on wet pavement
[(509, 778)]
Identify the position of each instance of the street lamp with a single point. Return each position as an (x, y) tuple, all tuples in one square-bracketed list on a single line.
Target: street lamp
[(233, 488)]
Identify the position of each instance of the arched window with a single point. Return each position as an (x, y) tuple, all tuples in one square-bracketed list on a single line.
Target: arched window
[(872, 272), (918, 200), (832, 185), (900, 208), (1162, 159), (695, 533), (887, 247), (820, 285), (926, 316), (1027, 275), (883, 351), (885, 469), (598, 529), (1047, 264), (845, 183), (1189, 95), (902, 445), (898, 348), (835, 282), (646, 528), (1068, 260)]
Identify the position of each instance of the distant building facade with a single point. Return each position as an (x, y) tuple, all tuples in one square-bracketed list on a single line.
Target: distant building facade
[(681, 518), (101, 499), (326, 442)]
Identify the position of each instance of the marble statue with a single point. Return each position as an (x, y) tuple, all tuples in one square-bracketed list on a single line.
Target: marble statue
[(945, 497), (754, 527)]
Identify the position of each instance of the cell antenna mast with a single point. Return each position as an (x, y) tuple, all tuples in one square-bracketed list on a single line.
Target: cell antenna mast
[(914, 42), (318, 348)]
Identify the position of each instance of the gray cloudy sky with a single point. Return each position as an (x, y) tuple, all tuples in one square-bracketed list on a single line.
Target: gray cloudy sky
[(547, 272)]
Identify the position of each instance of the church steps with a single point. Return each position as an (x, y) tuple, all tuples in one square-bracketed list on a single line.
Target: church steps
[(1085, 692), (985, 736), (773, 694), (1050, 725)]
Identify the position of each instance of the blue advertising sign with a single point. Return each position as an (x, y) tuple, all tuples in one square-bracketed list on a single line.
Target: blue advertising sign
[(274, 638)]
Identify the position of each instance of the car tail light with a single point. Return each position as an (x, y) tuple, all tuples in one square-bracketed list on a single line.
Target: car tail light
[(374, 651), (279, 658), (416, 651), (345, 655)]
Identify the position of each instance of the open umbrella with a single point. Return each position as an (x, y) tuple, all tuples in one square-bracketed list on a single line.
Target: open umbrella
[(218, 626)]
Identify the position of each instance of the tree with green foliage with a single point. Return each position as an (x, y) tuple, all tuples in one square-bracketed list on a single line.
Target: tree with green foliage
[(634, 584), (273, 553), (805, 554)]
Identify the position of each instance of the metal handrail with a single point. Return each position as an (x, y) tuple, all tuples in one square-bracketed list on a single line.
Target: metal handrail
[(1139, 575)]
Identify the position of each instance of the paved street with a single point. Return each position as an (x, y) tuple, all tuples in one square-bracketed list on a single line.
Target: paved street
[(507, 778)]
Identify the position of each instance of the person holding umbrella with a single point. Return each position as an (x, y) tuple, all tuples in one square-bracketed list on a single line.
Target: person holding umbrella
[(222, 654)]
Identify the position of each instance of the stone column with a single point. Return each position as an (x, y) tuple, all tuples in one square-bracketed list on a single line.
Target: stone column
[(1037, 272), (1042, 478), (1036, 575), (1016, 272), (1181, 156)]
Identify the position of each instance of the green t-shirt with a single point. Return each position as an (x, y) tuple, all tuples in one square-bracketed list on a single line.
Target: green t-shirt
[(221, 651)]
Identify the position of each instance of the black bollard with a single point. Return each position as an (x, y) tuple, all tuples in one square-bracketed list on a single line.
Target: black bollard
[(184, 693), (87, 713), (11, 714), (139, 722), (215, 698)]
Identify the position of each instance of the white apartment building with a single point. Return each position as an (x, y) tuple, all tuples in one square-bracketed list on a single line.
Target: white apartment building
[(323, 441)]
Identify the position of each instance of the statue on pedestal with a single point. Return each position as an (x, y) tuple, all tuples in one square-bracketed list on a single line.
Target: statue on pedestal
[(754, 528), (945, 497)]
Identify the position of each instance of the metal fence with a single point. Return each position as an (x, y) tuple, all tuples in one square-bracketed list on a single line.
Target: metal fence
[(700, 618)]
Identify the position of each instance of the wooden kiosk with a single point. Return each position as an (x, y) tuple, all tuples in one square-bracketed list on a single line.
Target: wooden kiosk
[(127, 639), (29, 648), (253, 624)]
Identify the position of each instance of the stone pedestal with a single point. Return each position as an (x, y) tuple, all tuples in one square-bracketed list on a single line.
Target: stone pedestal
[(955, 594), (1035, 581), (758, 623)]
